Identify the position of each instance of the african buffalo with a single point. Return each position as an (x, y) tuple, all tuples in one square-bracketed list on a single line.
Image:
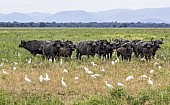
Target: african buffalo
[(125, 51), (32, 46), (85, 48), (51, 48)]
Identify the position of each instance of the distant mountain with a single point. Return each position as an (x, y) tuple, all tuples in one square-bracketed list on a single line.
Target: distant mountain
[(37, 15), (72, 16), (19, 17), (103, 15), (157, 15)]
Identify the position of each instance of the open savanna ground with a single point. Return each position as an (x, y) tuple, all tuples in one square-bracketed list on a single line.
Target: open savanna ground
[(86, 90)]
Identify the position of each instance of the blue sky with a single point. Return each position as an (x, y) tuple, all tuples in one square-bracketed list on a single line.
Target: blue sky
[(54, 6)]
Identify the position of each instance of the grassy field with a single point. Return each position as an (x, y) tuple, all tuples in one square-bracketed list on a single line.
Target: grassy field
[(86, 90)]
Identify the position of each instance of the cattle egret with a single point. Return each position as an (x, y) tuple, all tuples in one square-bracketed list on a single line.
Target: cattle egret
[(151, 72), (62, 82), (86, 69), (108, 85), (1, 64), (150, 82), (93, 64), (97, 75), (113, 63), (27, 79), (29, 61), (120, 84), (14, 68), (65, 71), (103, 70), (76, 78), (89, 72), (143, 59), (41, 78), (5, 72), (159, 67), (61, 61), (46, 77), (129, 78), (156, 63), (143, 76), (116, 61), (54, 60), (50, 60), (93, 76), (15, 63)]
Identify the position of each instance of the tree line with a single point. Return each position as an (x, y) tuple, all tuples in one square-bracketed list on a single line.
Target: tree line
[(81, 24)]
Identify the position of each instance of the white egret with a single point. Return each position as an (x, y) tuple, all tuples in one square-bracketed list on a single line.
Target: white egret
[(1, 64), (97, 75), (65, 71), (29, 61), (151, 71), (41, 78), (62, 82), (108, 85), (5, 72), (93, 64), (143, 59), (50, 60), (61, 61), (93, 76), (116, 61), (156, 63), (54, 60), (46, 77), (113, 62), (159, 67), (27, 79), (14, 68), (144, 76), (120, 84), (76, 78), (15, 63), (150, 82), (129, 78), (103, 70), (88, 71)]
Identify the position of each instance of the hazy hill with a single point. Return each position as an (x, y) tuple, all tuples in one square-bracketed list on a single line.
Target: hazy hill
[(157, 15)]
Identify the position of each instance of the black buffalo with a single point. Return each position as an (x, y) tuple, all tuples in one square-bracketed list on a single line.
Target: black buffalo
[(125, 51), (32, 46), (85, 48), (51, 49)]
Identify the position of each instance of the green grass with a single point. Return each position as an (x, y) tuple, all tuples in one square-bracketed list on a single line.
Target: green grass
[(15, 90)]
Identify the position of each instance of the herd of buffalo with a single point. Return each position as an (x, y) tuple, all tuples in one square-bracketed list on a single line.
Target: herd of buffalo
[(104, 48)]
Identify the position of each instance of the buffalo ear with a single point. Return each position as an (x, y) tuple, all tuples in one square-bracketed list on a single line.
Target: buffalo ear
[(161, 39)]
